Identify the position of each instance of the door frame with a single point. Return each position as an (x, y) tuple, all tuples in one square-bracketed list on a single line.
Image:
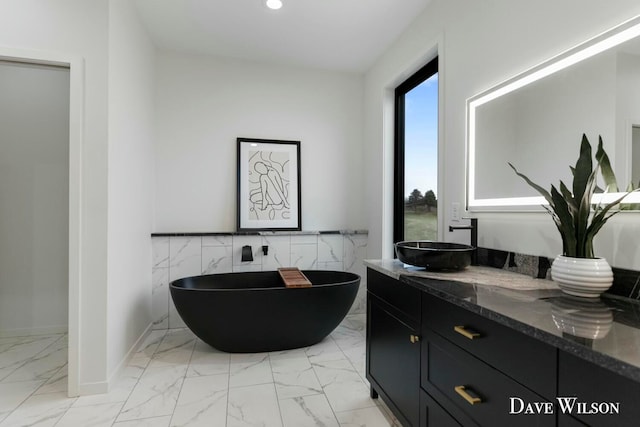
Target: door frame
[(75, 64)]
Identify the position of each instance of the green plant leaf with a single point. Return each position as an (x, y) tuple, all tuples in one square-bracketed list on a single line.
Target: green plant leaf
[(564, 223), (535, 186), (572, 212), (573, 205), (608, 175), (583, 169)]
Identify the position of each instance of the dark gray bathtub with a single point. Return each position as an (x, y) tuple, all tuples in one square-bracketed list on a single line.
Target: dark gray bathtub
[(253, 312)]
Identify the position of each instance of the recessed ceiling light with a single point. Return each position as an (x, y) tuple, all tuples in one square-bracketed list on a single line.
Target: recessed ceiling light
[(274, 4)]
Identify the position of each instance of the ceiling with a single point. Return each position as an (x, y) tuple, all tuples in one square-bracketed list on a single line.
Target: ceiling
[(341, 35)]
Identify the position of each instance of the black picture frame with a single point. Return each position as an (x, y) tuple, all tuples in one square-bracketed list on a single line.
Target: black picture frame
[(269, 190)]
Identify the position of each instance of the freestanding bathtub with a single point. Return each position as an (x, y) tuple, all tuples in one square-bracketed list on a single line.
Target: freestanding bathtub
[(253, 312)]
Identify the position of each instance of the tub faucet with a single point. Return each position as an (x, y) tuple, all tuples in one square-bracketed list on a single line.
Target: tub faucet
[(473, 227), (247, 254)]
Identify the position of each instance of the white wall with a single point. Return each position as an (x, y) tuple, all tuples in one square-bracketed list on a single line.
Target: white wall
[(482, 44), (203, 104), (131, 95), (78, 29), (34, 199)]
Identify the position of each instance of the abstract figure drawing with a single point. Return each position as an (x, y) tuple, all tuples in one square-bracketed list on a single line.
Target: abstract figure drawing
[(269, 185)]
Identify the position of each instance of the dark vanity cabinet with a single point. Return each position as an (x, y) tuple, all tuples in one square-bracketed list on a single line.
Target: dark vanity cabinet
[(472, 366), (438, 364), (393, 345)]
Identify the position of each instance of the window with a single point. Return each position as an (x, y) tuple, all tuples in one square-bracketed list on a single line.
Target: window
[(416, 156)]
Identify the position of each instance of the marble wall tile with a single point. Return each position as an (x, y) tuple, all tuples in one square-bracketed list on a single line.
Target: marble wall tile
[(332, 265), (160, 282), (304, 239), (304, 252), (160, 252), (278, 252), (185, 257), (217, 259), (330, 248), (355, 252), (217, 241), (245, 268), (160, 297)]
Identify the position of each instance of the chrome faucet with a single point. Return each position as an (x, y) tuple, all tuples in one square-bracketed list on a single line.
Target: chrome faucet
[(473, 226)]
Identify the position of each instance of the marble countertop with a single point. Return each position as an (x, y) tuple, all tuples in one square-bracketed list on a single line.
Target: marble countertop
[(605, 331)]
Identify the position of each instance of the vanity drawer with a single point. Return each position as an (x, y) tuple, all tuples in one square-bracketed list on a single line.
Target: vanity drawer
[(433, 415), (521, 357), (400, 295), (454, 377)]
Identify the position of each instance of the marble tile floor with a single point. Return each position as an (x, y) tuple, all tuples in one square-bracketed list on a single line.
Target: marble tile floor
[(175, 379)]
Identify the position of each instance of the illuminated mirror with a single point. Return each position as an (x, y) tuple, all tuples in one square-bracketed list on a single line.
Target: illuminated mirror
[(536, 120)]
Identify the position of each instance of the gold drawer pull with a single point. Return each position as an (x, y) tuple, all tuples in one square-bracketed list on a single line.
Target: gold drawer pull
[(462, 331), (466, 396), (414, 339)]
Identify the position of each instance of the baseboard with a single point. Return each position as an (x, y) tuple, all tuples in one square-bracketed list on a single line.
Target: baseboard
[(125, 360), (40, 330), (93, 388)]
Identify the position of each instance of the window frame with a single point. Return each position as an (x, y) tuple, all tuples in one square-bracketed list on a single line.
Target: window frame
[(401, 90)]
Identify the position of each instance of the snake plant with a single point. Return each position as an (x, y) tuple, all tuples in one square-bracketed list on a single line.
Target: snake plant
[(577, 219)]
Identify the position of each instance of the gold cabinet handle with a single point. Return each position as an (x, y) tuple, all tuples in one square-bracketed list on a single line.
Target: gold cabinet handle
[(414, 339), (466, 333), (466, 396)]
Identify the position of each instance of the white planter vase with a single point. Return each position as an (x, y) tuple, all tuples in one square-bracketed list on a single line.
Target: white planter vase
[(582, 277)]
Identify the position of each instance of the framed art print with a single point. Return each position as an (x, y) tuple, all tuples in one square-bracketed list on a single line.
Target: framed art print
[(268, 185)]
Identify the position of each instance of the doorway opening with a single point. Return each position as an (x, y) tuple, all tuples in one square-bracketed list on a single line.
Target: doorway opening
[(72, 107)]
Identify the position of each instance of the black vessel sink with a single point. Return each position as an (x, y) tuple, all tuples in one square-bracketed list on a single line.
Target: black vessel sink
[(434, 255)]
